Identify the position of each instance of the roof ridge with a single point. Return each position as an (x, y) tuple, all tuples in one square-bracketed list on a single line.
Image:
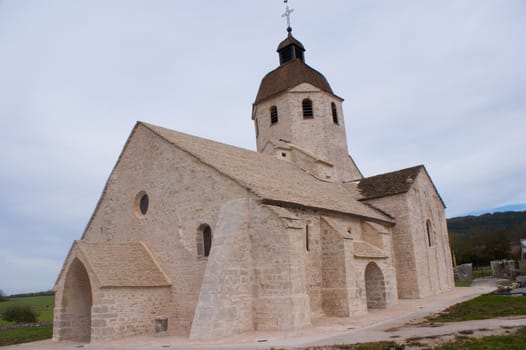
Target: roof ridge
[(393, 172)]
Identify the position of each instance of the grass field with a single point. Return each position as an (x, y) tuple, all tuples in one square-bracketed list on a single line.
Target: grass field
[(43, 305), (516, 341), (483, 307), (25, 335), (466, 283)]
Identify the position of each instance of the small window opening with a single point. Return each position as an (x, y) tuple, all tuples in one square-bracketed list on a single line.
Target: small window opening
[(283, 154), (334, 113), (307, 109), (429, 233), (204, 240), (141, 204), (273, 115), (207, 240), (307, 237)]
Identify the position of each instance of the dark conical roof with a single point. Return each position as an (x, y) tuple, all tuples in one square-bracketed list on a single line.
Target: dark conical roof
[(289, 75), (290, 40)]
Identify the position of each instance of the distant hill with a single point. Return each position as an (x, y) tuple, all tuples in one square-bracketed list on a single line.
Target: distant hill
[(480, 239), (510, 207)]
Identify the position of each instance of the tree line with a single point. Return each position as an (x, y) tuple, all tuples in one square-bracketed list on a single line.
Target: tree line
[(481, 239)]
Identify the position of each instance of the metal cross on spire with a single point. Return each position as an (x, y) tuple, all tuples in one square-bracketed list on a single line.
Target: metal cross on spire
[(287, 14)]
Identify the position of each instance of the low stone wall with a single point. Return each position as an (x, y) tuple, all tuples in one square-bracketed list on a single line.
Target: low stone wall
[(25, 325), (464, 272), (505, 269)]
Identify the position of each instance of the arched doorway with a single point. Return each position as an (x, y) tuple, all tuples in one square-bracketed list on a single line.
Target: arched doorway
[(76, 303), (374, 287)]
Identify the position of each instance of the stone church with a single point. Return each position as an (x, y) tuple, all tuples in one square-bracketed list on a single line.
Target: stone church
[(211, 240)]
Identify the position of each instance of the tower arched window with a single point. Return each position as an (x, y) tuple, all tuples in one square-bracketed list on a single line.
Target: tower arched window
[(273, 115), (334, 113), (307, 109), (429, 231)]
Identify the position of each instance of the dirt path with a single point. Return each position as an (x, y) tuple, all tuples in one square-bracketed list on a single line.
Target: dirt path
[(390, 324)]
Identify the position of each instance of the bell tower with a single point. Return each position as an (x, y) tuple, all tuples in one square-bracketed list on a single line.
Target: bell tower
[(298, 118)]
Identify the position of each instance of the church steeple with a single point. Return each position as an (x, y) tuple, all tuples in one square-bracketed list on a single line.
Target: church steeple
[(299, 119), (290, 48)]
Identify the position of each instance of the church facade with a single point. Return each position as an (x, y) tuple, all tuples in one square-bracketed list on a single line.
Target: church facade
[(216, 240)]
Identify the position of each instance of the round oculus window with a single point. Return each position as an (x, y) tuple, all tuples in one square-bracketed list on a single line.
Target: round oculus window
[(141, 204)]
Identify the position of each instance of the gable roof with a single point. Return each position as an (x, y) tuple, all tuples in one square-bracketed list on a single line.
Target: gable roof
[(274, 181), (388, 184), (392, 183), (289, 75), (123, 265)]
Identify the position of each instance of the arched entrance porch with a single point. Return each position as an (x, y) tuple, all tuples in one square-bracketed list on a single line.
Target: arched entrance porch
[(374, 287), (76, 303)]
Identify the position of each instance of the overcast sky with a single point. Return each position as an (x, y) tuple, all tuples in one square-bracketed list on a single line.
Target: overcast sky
[(440, 83)]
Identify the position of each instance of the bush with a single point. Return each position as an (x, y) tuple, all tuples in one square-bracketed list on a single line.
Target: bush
[(3, 297), (19, 314)]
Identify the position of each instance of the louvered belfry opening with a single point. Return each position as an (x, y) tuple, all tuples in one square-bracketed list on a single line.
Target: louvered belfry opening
[(334, 113), (291, 49), (307, 109), (273, 115)]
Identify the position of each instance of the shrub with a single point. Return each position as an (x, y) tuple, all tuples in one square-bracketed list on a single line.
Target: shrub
[(19, 314), (3, 297)]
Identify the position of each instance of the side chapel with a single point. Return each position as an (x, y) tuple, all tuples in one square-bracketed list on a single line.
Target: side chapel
[(218, 240)]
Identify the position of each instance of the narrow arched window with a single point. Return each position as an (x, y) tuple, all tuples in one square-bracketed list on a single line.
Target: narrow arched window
[(307, 247), (273, 115), (307, 109), (204, 240), (207, 240), (429, 233), (334, 113)]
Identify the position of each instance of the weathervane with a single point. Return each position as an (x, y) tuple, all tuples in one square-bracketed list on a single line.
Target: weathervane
[(287, 14)]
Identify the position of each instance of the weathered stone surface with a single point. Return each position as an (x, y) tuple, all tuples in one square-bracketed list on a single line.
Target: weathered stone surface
[(464, 272)]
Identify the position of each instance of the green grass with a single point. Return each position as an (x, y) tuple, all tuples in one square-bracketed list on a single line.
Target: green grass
[(43, 305), (25, 335), (364, 346), (516, 341), (484, 272), (483, 307), (466, 283)]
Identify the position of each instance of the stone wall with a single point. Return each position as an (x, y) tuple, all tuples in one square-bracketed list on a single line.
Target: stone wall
[(278, 254), (505, 269), (122, 312), (422, 269), (335, 289), (403, 245), (463, 272), (183, 195)]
